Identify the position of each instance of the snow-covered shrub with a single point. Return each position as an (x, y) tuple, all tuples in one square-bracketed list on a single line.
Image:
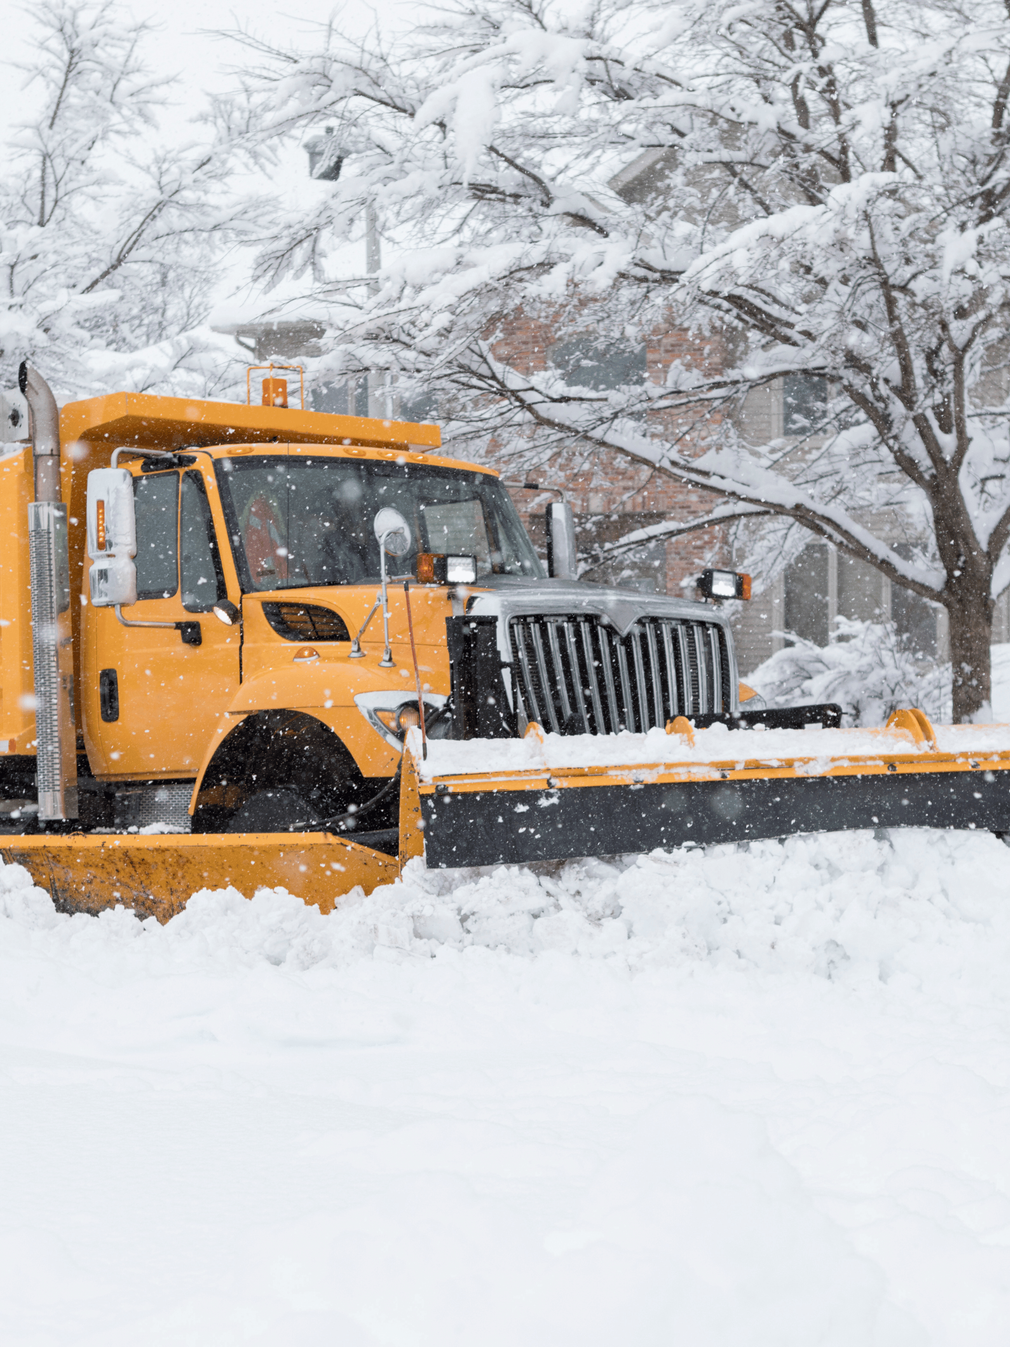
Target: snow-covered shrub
[(867, 667)]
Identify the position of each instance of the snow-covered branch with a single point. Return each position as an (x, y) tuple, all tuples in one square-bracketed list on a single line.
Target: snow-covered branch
[(108, 237)]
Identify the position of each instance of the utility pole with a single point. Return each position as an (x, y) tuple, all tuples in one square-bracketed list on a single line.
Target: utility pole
[(380, 392), (373, 248), (370, 394)]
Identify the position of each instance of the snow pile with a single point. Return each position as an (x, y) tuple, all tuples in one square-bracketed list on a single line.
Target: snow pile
[(866, 668), (755, 1095), (846, 906)]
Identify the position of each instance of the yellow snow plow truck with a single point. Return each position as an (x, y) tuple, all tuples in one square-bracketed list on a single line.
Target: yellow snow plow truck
[(262, 646)]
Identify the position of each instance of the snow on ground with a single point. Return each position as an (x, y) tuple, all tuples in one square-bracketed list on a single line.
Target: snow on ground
[(754, 1096)]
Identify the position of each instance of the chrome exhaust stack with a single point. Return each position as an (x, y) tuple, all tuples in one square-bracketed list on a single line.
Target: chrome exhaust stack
[(52, 635)]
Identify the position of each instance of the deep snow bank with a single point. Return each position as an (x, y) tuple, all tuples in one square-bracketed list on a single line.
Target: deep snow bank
[(919, 906), (754, 1096)]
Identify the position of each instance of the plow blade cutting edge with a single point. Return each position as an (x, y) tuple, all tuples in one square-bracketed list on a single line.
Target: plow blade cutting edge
[(543, 803)]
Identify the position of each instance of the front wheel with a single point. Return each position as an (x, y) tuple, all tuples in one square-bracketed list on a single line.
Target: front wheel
[(274, 811)]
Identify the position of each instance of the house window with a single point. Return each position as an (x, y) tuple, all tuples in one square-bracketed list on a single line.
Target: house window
[(594, 362), (421, 408), (822, 584), (860, 590), (804, 403), (807, 595), (914, 617), (341, 399)]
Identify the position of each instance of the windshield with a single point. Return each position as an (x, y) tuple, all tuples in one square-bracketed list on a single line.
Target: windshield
[(308, 521)]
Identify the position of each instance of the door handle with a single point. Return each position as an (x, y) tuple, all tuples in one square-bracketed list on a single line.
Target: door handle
[(108, 694)]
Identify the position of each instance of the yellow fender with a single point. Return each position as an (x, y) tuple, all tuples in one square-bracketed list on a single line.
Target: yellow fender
[(325, 691)]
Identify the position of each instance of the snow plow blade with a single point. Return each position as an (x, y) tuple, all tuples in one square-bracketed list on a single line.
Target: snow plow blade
[(155, 875), (706, 787)]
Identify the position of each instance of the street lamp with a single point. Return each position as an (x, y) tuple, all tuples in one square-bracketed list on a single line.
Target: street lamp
[(326, 156)]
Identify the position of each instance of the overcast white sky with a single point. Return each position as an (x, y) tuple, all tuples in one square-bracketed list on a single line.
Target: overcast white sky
[(183, 45)]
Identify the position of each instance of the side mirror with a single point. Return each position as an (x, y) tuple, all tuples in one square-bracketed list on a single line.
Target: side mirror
[(562, 559), (112, 516), (112, 537), (13, 417), (227, 612), (113, 582), (392, 531)]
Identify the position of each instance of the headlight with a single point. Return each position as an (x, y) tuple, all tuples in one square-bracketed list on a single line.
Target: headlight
[(393, 715), (437, 568), (402, 720), (724, 585), (408, 717)]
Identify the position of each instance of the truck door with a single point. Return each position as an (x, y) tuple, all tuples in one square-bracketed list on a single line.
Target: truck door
[(154, 694)]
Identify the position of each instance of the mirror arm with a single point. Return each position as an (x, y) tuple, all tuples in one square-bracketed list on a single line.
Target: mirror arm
[(191, 634), (170, 454), (387, 661), (356, 650), (388, 524)]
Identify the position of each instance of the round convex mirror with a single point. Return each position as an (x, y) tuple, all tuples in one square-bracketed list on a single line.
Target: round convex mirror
[(392, 531)]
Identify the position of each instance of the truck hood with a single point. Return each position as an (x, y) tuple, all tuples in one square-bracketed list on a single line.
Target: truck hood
[(509, 596)]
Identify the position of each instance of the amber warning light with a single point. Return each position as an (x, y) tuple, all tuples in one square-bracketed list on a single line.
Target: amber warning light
[(434, 568), (100, 524), (275, 391)]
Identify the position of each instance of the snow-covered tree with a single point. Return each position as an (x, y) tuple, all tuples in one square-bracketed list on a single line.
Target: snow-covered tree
[(867, 668), (831, 185), (108, 237)]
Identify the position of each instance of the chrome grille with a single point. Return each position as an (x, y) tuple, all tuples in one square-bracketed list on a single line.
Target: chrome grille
[(577, 675)]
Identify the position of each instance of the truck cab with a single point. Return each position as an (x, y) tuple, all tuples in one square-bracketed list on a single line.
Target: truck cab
[(273, 645)]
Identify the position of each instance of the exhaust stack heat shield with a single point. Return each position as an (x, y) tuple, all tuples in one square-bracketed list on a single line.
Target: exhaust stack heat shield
[(52, 650)]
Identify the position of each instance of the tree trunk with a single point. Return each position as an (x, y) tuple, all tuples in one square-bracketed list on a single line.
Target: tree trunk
[(969, 610)]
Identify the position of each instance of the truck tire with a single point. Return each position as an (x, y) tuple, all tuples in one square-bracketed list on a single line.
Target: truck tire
[(273, 811)]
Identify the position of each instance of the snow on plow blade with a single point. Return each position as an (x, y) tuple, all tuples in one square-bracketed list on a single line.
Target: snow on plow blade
[(554, 799)]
